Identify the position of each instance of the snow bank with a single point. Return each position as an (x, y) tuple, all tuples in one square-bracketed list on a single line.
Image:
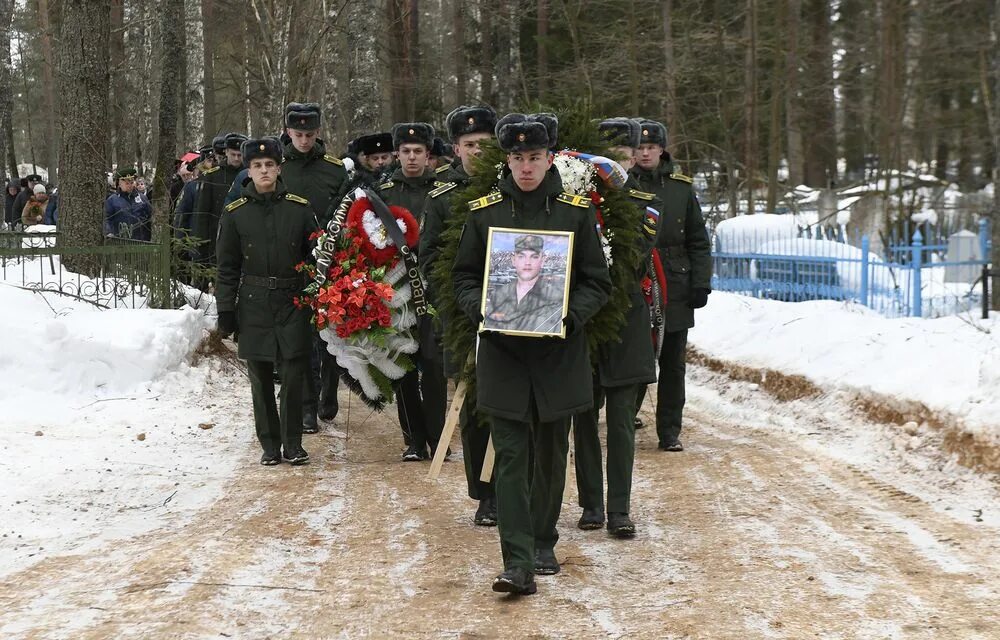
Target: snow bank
[(54, 347), (949, 364)]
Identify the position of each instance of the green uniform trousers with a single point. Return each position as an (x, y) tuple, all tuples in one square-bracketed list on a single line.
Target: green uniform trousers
[(530, 475), (670, 386), (620, 413), (276, 429), (475, 440)]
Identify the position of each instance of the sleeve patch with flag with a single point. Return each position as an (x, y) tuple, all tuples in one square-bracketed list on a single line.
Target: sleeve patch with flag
[(650, 221)]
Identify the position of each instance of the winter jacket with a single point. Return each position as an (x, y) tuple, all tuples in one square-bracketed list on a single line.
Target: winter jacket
[(9, 216), (317, 176), (128, 215), (34, 210), (52, 210)]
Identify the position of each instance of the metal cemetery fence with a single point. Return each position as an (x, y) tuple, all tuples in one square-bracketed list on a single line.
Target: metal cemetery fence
[(126, 273), (912, 272)]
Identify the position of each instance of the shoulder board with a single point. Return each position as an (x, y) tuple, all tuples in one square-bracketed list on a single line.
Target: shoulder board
[(485, 201), (681, 177), (212, 170), (333, 160), (295, 198), (576, 201), (442, 168), (385, 185), (442, 187), (641, 195), (235, 204)]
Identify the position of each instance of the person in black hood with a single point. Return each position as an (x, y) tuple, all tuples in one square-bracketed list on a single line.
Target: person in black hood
[(22, 197), (13, 190)]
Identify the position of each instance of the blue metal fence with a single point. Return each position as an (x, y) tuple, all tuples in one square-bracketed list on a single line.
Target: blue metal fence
[(906, 273)]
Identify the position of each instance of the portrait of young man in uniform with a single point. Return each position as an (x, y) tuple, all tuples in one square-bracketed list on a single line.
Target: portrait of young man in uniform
[(534, 301)]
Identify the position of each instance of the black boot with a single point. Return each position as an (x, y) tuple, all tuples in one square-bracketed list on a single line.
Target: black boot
[(309, 424), (671, 445), (296, 455), (517, 581), (413, 454), (546, 563), (591, 519), (328, 409), (270, 458), (486, 514), (620, 525)]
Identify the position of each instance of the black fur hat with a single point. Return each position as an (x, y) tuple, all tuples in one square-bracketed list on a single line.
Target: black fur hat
[(520, 132), (622, 132), (219, 144), (268, 147), (465, 120), (374, 143), (652, 132), (302, 116), (412, 133), (437, 149), (235, 141)]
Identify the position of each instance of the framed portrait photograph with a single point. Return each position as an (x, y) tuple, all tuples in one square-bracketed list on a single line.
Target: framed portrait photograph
[(526, 285)]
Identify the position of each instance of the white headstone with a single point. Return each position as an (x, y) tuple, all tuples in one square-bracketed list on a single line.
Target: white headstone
[(963, 246)]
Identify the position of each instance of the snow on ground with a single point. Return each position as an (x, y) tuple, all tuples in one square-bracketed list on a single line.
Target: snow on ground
[(100, 415), (949, 364)]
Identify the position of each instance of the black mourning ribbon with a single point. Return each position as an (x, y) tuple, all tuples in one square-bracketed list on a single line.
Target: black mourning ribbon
[(412, 272)]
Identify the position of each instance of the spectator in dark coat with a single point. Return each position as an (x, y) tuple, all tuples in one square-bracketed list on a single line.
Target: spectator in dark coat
[(22, 198), (13, 190), (52, 210), (127, 213)]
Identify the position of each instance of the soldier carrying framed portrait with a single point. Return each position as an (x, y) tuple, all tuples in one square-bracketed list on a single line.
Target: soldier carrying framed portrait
[(526, 283)]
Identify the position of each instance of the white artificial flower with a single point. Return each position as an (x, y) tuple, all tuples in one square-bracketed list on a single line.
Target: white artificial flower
[(376, 231)]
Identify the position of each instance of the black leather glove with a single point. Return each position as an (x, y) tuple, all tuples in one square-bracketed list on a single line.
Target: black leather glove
[(699, 297), (573, 326), (227, 323)]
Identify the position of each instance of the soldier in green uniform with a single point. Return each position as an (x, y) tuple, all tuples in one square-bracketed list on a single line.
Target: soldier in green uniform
[(375, 153), (210, 198), (623, 367), (530, 302), (308, 170), (684, 248), (262, 237), (422, 396), (529, 387), (468, 126)]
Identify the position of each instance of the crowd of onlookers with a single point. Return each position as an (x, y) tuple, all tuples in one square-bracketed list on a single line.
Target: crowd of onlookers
[(28, 202)]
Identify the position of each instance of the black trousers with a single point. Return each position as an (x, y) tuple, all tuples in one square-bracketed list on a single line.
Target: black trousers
[(422, 394), (670, 395), (278, 427), (321, 382), (475, 439)]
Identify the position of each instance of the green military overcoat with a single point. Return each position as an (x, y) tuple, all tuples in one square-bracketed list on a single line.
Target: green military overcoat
[(510, 370), (266, 235), (317, 176), (208, 207), (409, 193), (682, 240), (633, 360)]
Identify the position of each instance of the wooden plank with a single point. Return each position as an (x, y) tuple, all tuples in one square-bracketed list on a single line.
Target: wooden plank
[(488, 462), (454, 414)]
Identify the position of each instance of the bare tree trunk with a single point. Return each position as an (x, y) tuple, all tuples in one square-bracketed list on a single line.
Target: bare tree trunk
[(750, 104), (819, 134), (208, 35), (542, 53), (48, 81), (792, 113), (171, 80), (487, 52), (774, 132), (853, 18), (670, 109), (458, 42), (364, 102), (889, 108), (84, 81), (119, 123), (6, 97)]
